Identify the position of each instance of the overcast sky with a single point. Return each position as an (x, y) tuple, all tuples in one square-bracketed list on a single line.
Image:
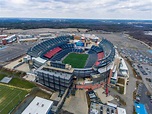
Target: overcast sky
[(95, 9)]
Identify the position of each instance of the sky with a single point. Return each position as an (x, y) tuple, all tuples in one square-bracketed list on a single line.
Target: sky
[(85, 9)]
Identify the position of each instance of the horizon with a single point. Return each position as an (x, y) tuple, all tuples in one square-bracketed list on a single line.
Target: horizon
[(75, 18)]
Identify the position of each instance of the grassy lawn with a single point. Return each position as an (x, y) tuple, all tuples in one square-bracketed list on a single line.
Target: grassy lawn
[(40, 93), (121, 81), (121, 90), (16, 81), (21, 83), (10, 98), (76, 60), (12, 73), (2, 76)]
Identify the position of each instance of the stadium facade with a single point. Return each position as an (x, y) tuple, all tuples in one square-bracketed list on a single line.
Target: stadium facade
[(58, 76)]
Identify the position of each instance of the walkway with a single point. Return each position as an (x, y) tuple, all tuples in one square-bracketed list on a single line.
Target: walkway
[(90, 86)]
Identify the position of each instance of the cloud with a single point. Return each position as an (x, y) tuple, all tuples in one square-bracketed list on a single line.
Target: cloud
[(128, 9)]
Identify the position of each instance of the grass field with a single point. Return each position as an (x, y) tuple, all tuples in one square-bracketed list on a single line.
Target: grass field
[(16, 81), (21, 83), (2, 76), (9, 98), (11, 73), (76, 60)]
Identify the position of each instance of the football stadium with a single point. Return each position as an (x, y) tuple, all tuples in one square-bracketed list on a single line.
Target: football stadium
[(61, 62)]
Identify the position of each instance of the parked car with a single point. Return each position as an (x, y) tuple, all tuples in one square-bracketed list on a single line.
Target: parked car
[(137, 98), (151, 98)]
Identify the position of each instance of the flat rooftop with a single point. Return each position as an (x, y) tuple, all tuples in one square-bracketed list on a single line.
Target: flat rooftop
[(123, 65), (38, 106), (56, 72), (59, 69), (99, 108), (121, 110), (140, 108)]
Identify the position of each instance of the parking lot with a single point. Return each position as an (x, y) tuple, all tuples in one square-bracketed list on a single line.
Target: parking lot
[(12, 51), (144, 98), (136, 55), (143, 70), (100, 108)]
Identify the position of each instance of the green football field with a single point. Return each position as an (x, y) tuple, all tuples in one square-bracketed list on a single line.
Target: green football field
[(76, 60), (10, 97)]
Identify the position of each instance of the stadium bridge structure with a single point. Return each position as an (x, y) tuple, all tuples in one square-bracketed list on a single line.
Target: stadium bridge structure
[(54, 50)]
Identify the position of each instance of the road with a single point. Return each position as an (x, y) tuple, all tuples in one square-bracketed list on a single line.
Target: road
[(128, 97), (129, 90)]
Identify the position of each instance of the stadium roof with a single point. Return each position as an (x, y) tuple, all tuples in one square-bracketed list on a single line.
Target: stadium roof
[(39, 60), (38, 106), (140, 108)]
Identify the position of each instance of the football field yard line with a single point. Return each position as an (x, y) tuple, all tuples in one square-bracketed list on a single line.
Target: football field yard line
[(10, 97), (10, 102)]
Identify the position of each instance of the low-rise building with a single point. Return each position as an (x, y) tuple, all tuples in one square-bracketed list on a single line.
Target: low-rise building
[(100, 108), (121, 110), (39, 106), (109, 108), (123, 69), (140, 108), (114, 77), (9, 39)]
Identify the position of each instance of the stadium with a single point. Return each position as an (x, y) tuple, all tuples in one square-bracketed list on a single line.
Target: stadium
[(61, 60)]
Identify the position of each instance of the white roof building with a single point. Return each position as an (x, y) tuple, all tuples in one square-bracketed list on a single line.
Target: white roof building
[(27, 39), (10, 37), (115, 75), (111, 104), (38, 106), (3, 36), (94, 111), (121, 110), (123, 65), (123, 68)]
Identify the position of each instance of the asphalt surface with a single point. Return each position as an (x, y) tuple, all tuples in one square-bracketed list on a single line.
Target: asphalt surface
[(139, 56), (13, 51), (144, 99), (128, 97), (149, 75), (23, 105), (129, 90)]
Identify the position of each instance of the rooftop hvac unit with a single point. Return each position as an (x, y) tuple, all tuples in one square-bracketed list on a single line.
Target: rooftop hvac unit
[(37, 103)]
